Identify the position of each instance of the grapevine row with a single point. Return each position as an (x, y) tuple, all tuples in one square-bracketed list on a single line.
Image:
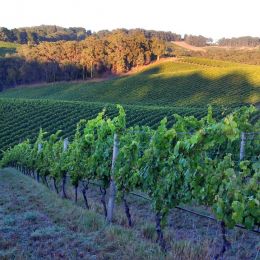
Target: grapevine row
[(21, 119), (193, 161)]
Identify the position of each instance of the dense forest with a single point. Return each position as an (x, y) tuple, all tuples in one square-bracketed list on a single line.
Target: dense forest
[(110, 52)]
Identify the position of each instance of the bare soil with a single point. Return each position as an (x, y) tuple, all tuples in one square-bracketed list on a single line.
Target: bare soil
[(189, 47)]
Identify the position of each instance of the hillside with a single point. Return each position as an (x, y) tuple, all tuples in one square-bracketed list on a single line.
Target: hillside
[(35, 223), (184, 87), (188, 82)]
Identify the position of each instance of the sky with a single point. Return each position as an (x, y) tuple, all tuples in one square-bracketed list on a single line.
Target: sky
[(211, 18)]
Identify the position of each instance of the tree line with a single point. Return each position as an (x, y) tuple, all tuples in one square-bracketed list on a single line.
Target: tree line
[(198, 41), (115, 52), (53, 33), (36, 34), (245, 41), (247, 56), (201, 41)]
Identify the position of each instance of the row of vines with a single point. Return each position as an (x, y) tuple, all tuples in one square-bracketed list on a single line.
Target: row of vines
[(193, 161), (21, 119)]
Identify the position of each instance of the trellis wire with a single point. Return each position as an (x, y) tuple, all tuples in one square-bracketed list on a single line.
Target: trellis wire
[(195, 213), (184, 209)]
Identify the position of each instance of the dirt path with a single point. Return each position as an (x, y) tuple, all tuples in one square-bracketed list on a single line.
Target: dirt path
[(140, 68), (188, 46)]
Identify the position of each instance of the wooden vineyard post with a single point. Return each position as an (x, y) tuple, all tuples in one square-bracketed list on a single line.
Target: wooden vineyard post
[(37, 174), (242, 146), (65, 144), (64, 177), (39, 148), (112, 188)]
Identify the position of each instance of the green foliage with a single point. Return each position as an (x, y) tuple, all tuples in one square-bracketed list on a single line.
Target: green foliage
[(171, 167), (161, 172), (53, 115), (74, 60), (198, 41), (36, 34), (132, 145)]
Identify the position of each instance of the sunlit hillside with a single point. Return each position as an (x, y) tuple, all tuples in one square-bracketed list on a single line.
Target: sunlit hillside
[(187, 82)]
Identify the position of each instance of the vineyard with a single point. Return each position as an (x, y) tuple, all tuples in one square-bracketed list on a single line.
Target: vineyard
[(207, 161), (30, 115), (189, 82), (129, 131)]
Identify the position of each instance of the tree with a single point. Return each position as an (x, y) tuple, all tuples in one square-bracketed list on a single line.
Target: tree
[(198, 41), (6, 35), (158, 47), (92, 55)]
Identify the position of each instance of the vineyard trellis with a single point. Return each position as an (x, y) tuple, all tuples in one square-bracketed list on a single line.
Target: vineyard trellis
[(195, 160), (53, 115)]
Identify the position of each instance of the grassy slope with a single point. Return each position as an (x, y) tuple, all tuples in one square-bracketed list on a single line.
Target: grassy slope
[(36, 224), (193, 82), (8, 48)]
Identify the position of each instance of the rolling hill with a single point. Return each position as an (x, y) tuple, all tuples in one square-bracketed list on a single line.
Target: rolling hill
[(189, 82), (183, 86)]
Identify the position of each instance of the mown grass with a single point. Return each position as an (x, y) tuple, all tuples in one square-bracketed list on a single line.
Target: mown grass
[(188, 82), (8, 48), (36, 224)]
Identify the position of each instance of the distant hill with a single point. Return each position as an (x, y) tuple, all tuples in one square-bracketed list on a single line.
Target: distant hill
[(185, 82)]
